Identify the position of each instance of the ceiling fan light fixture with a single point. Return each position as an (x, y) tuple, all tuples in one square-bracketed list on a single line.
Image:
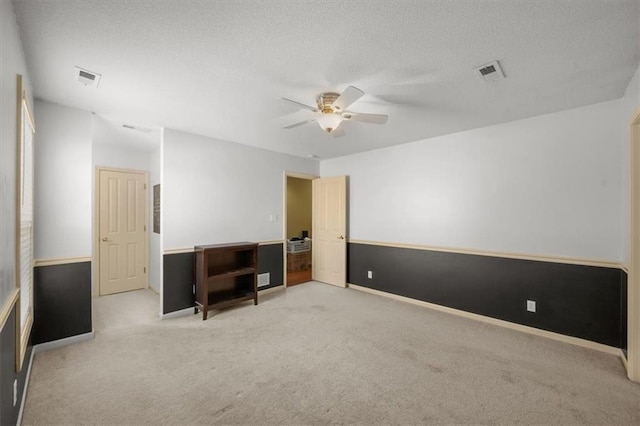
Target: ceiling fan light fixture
[(329, 121)]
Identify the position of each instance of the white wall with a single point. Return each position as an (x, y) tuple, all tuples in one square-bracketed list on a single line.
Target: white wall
[(63, 181), (12, 63), (121, 148), (119, 157), (216, 191), (155, 240), (548, 185)]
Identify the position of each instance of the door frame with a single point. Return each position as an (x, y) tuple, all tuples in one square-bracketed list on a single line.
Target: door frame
[(633, 282), (95, 288), (287, 175)]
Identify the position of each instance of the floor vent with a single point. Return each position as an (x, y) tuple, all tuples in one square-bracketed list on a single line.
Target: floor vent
[(264, 279)]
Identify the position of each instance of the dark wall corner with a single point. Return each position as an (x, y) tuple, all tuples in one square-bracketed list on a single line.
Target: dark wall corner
[(62, 301)]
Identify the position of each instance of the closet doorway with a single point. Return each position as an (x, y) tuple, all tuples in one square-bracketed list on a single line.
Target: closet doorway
[(298, 228)]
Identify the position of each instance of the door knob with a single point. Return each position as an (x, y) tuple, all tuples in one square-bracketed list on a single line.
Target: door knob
[(105, 239), (341, 237)]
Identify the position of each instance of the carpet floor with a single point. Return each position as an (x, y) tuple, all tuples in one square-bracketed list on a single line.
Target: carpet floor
[(317, 354)]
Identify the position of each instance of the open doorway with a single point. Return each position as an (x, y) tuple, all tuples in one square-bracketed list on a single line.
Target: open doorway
[(126, 161), (298, 228)]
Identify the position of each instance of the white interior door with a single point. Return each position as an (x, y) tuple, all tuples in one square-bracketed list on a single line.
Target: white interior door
[(122, 231), (330, 230)]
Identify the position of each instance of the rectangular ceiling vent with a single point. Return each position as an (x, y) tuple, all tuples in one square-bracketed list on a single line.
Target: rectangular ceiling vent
[(88, 78), (139, 129), (490, 72)]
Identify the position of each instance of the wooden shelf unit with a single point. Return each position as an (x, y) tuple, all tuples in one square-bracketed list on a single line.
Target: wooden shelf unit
[(226, 274)]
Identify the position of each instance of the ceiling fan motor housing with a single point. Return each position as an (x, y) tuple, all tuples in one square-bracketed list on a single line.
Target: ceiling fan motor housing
[(325, 102), (332, 111)]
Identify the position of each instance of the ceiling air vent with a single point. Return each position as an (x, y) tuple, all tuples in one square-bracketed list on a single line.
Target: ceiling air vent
[(88, 78), (490, 72), (138, 128)]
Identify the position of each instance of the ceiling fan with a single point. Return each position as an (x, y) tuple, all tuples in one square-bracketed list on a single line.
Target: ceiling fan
[(332, 111)]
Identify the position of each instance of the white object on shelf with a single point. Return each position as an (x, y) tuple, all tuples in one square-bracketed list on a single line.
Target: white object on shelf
[(298, 246)]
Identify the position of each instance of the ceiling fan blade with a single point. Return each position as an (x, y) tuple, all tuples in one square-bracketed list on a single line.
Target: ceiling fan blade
[(337, 132), (298, 124), (365, 118), (314, 109), (349, 96)]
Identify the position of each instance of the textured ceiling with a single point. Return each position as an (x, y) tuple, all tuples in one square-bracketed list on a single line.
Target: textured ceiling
[(218, 68)]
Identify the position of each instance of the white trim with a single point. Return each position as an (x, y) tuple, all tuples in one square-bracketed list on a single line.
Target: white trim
[(27, 378), (162, 223), (270, 242), (633, 282), (190, 249), (43, 347), (285, 180), (178, 250), (506, 324), (624, 360), (277, 288), (301, 175), (5, 310), (508, 255), (176, 314), (61, 261)]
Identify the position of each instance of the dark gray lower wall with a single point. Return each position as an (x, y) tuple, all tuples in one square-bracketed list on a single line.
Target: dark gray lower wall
[(178, 275), (9, 412), (271, 260), (62, 301), (574, 300), (177, 282)]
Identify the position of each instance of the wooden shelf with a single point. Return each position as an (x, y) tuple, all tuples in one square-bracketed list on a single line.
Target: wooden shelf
[(225, 275), (231, 274)]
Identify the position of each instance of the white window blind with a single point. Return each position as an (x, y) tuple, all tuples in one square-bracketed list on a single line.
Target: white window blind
[(26, 270), (26, 220)]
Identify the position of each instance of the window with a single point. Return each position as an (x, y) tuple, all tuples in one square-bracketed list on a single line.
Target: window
[(24, 243)]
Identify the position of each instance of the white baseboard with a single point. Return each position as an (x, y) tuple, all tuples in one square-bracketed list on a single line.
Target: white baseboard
[(42, 347), (624, 361), (175, 314), (271, 289), (506, 324), (27, 377)]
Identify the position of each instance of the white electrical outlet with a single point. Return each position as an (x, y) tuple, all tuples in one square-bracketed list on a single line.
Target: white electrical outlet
[(15, 392), (369, 274), (531, 305)]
